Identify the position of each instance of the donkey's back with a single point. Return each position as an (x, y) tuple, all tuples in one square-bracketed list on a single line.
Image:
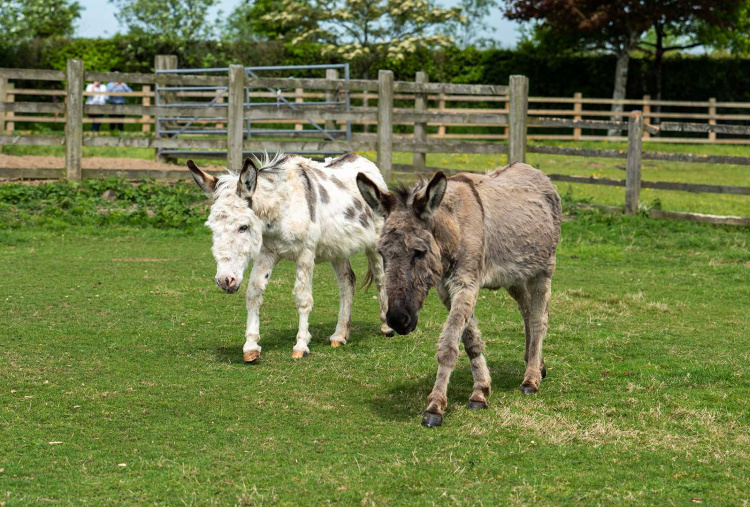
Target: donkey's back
[(522, 216)]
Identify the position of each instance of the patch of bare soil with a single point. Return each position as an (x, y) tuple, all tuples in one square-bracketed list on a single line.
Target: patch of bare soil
[(49, 162)]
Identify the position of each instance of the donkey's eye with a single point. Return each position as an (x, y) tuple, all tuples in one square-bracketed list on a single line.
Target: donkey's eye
[(418, 254), (242, 229)]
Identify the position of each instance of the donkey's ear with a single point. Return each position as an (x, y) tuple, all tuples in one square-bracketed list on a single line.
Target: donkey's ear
[(427, 201), (248, 179), (205, 181), (380, 201)]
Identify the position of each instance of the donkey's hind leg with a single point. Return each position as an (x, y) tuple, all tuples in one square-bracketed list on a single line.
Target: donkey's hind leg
[(522, 296), (523, 299), (378, 276), (346, 279), (539, 289)]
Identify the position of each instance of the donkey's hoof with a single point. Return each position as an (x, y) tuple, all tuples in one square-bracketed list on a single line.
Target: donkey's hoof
[(336, 344), (299, 354), (251, 356), (389, 334), (477, 405), (544, 371), (430, 420), (528, 389)]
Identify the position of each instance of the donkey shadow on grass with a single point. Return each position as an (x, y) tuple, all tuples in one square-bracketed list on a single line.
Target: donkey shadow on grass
[(275, 338), (404, 399)]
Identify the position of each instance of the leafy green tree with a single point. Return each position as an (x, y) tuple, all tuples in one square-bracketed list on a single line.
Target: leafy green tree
[(622, 27), (171, 22), (25, 20), (367, 31), (250, 22), (734, 37)]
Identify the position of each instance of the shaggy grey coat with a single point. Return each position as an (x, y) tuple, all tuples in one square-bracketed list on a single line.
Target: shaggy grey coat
[(460, 234)]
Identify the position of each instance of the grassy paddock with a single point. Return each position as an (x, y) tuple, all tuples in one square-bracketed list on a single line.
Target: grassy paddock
[(122, 380)]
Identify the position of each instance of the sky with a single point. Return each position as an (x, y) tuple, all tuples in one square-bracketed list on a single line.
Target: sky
[(98, 20)]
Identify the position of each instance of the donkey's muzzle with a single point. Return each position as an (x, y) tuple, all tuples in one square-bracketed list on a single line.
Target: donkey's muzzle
[(401, 319), (227, 283)]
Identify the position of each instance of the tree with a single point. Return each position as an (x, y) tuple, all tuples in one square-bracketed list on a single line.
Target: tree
[(258, 20), (474, 14), (734, 38), (25, 20), (171, 22), (367, 31), (620, 27)]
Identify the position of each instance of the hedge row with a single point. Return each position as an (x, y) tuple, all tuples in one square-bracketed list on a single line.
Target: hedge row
[(685, 77)]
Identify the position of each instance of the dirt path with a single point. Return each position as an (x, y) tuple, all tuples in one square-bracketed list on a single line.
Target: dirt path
[(49, 162)]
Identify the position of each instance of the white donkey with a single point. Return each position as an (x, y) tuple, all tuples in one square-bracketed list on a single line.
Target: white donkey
[(300, 210)]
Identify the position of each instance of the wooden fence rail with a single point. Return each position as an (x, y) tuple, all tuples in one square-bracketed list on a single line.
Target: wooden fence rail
[(542, 116), (391, 96), (236, 112)]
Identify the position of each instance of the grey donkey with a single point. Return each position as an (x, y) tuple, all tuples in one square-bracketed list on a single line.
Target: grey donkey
[(460, 234)]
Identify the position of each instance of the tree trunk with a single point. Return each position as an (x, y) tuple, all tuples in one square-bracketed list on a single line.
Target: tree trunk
[(621, 78), (658, 67)]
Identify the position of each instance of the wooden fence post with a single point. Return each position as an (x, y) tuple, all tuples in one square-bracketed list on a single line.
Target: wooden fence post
[(74, 120), (331, 74), (577, 108), (146, 101), (441, 108), (298, 99), (3, 98), (646, 113), (385, 123), (420, 128), (519, 97), (633, 172), (712, 117), (365, 103), (10, 125), (235, 116), (164, 62)]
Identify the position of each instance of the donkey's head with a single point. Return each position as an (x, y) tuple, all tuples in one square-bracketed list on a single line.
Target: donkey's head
[(237, 231), (411, 254)]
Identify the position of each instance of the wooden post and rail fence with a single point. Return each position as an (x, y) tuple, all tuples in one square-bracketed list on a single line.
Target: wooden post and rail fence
[(386, 91), (384, 142)]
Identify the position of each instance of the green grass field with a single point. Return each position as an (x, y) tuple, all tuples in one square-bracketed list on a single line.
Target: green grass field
[(122, 379)]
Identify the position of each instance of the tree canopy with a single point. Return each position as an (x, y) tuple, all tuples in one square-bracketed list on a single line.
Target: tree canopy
[(621, 27), (169, 21), (25, 20), (360, 31)]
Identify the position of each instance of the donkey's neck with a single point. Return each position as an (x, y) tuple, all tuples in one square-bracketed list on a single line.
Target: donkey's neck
[(271, 197)]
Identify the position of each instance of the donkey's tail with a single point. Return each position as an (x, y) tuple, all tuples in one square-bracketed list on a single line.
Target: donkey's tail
[(367, 282)]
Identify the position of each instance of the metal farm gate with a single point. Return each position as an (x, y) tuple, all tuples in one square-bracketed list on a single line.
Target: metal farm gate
[(201, 97)]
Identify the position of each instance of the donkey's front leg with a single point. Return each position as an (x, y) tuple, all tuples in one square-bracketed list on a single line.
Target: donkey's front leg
[(474, 346), (346, 279), (256, 286), (303, 298), (462, 307)]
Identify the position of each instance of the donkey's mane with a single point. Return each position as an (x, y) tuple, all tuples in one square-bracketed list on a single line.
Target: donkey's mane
[(268, 162), (402, 192)]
